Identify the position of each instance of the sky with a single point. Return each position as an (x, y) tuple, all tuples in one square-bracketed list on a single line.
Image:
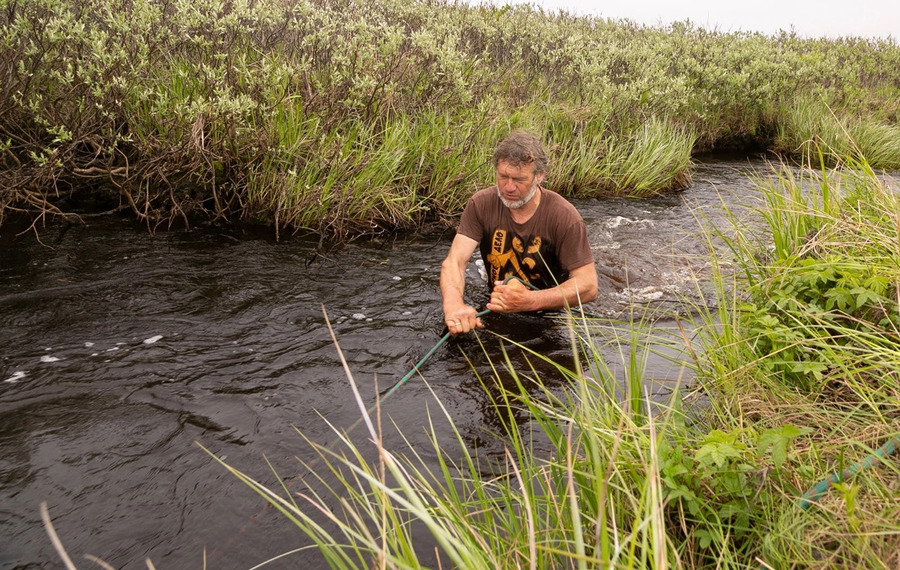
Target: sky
[(808, 18)]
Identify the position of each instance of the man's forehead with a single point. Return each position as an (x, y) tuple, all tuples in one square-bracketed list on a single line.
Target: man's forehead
[(510, 169)]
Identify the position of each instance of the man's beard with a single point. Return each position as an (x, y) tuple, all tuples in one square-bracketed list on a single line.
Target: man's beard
[(519, 203)]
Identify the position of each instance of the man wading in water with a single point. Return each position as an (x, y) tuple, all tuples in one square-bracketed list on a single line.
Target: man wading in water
[(524, 231)]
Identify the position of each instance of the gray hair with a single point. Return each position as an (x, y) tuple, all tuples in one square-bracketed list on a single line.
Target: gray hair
[(520, 148)]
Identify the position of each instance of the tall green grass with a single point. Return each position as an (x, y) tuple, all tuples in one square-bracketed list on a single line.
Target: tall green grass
[(810, 127), (810, 338), (797, 359)]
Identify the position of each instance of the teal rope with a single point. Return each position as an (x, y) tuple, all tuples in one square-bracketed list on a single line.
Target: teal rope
[(415, 369), (889, 447)]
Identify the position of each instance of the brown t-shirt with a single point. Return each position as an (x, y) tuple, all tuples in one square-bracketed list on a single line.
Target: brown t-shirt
[(542, 251)]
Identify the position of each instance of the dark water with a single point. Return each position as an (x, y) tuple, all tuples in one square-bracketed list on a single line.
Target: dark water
[(122, 350)]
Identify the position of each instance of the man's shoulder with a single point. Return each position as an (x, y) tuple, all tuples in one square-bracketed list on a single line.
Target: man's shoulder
[(485, 194), (485, 199), (557, 201), (553, 195)]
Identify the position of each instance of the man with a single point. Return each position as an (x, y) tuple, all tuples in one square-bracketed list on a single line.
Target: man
[(523, 231)]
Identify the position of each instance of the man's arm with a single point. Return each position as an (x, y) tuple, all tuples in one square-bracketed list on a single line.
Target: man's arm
[(514, 297), (459, 317)]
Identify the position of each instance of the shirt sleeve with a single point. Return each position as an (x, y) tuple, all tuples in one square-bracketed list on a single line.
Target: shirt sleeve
[(470, 224), (575, 248)]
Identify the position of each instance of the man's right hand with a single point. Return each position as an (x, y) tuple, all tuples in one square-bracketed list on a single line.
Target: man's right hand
[(462, 320), (459, 317)]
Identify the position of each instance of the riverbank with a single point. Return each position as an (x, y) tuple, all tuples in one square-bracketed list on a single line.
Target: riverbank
[(348, 118)]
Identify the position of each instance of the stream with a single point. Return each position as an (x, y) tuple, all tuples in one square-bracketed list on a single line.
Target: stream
[(122, 350)]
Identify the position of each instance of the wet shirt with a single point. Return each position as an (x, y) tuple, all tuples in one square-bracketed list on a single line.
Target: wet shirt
[(542, 251)]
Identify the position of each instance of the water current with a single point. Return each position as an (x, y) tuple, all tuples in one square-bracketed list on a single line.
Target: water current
[(122, 350)]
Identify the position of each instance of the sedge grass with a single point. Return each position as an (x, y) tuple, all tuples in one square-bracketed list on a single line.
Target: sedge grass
[(811, 127), (812, 341)]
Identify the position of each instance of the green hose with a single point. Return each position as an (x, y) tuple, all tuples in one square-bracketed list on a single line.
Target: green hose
[(889, 447), (406, 377)]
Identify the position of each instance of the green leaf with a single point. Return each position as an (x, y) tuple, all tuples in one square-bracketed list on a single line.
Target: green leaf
[(778, 440), (718, 453), (864, 295)]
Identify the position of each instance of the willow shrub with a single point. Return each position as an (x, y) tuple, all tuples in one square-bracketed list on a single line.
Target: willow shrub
[(273, 111)]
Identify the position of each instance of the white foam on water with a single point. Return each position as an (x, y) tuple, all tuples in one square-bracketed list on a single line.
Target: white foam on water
[(358, 316), (153, 339), (621, 220), (17, 375), (88, 344), (48, 358), (112, 349), (396, 278), (643, 294), (479, 265)]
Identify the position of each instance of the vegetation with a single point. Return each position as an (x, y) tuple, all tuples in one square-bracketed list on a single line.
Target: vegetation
[(353, 116), (798, 356)]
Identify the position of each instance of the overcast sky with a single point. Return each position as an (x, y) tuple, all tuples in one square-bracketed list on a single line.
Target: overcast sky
[(809, 18)]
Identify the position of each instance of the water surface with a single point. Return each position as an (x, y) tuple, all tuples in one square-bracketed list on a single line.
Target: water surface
[(122, 350)]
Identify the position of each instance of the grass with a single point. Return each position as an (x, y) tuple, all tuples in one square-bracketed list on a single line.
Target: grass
[(811, 128), (797, 356)]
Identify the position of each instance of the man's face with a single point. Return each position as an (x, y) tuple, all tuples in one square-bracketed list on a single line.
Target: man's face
[(517, 185)]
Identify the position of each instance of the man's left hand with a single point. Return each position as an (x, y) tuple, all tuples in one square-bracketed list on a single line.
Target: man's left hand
[(510, 297)]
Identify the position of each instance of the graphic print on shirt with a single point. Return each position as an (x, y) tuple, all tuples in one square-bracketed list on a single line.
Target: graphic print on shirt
[(510, 256)]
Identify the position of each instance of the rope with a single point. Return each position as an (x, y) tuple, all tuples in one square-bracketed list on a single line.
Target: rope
[(415, 369), (820, 488)]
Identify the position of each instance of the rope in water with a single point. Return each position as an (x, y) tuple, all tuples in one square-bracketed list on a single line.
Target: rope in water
[(415, 369), (820, 488)]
